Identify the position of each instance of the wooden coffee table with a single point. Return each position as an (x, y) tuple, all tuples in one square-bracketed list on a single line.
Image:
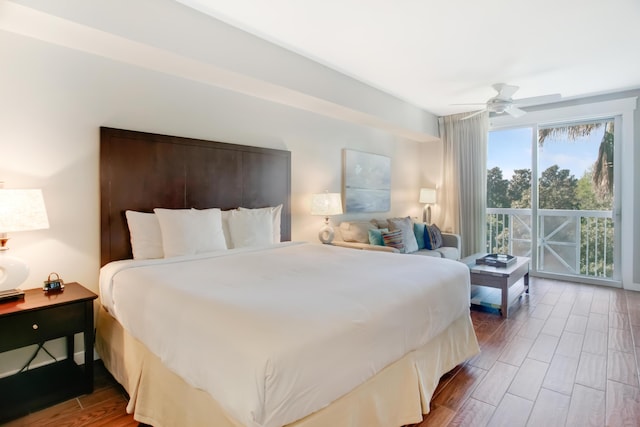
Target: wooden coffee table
[(500, 278)]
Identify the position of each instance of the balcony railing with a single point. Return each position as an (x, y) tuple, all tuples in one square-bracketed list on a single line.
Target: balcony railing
[(569, 241)]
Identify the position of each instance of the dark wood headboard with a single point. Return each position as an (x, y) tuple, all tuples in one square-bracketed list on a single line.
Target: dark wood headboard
[(141, 171)]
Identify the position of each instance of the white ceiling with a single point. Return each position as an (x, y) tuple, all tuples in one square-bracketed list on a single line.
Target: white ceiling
[(437, 53)]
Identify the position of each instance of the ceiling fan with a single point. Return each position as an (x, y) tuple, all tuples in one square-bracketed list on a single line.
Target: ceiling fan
[(504, 103)]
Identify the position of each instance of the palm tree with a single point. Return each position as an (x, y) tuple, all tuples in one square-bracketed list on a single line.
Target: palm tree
[(603, 166)]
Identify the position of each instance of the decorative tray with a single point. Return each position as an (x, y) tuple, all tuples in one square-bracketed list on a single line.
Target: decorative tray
[(497, 260)]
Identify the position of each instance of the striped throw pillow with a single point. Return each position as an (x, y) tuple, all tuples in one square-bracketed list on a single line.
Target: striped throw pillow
[(393, 239)]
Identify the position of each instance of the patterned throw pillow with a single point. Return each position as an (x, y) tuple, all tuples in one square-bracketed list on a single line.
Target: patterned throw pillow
[(432, 237), (408, 237), (393, 239)]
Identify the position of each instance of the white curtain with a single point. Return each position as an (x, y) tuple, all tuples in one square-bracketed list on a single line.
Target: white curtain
[(463, 194)]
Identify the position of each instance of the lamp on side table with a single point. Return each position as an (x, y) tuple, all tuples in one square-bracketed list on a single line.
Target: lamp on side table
[(20, 210), (326, 204)]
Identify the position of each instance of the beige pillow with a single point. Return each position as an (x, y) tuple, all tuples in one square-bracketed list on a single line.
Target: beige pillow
[(356, 231)]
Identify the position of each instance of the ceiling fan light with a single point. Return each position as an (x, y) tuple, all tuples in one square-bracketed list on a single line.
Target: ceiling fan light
[(498, 106)]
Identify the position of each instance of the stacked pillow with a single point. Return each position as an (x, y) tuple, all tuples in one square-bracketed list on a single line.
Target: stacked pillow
[(174, 232), (146, 236), (190, 231)]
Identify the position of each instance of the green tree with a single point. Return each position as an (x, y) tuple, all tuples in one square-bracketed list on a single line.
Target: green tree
[(603, 166), (557, 189), (594, 231), (519, 189), (497, 189), (586, 195)]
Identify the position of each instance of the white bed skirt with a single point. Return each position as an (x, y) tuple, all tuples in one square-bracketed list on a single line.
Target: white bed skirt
[(396, 396)]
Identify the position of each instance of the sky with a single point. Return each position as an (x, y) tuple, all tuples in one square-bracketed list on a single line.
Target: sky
[(510, 149)]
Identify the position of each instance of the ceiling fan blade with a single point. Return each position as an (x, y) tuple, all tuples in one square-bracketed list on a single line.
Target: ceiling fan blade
[(473, 114), (505, 92), (473, 103), (537, 100), (514, 111)]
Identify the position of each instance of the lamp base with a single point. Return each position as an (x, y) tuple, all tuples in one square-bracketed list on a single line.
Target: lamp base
[(13, 271), (426, 214), (326, 234)]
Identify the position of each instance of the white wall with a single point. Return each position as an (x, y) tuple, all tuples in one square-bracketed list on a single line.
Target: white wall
[(54, 99), (170, 25)]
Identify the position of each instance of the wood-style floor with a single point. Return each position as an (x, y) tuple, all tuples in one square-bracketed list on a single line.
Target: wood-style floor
[(567, 356), (106, 406)]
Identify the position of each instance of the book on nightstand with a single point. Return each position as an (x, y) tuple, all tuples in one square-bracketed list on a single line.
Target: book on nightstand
[(11, 294)]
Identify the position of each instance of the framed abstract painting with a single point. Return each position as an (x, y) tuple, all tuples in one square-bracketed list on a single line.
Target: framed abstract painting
[(366, 182)]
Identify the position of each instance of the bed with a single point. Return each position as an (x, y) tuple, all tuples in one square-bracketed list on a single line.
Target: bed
[(276, 333)]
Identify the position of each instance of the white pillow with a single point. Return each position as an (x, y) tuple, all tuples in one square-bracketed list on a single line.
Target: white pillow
[(190, 231), (251, 227), (225, 228), (408, 237), (276, 213), (146, 237)]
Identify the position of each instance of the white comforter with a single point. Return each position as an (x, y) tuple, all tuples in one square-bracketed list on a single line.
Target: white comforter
[(276, 333)]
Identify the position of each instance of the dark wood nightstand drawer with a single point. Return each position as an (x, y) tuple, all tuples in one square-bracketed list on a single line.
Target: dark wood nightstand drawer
[(36, 326)]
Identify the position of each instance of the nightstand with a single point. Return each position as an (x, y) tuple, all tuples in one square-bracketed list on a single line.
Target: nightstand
[(37, 318)]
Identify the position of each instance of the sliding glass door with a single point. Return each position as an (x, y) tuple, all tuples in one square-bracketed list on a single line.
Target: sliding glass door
[(552, 188)]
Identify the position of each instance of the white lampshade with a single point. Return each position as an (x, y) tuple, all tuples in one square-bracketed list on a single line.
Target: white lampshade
[(20, 210), (326, 204), (427, 195)]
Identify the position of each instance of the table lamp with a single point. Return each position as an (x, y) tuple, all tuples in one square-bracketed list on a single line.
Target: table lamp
[(20, 210), (326, 204), (427, 196)]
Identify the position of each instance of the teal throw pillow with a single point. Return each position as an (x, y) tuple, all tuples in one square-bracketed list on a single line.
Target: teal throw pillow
[(375, 236), (418, 230)]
